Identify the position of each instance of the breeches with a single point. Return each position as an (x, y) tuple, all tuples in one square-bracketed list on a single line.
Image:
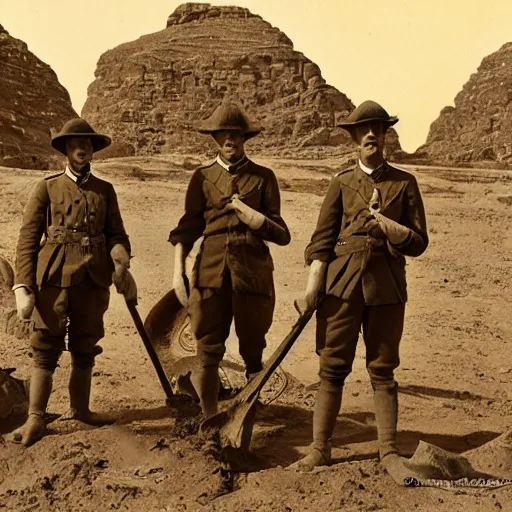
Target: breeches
[(211, 313), (338, 325), (77, 311)]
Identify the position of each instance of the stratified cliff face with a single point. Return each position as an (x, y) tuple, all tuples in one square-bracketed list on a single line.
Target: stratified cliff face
[(32, 104), (479, 127), (149, 94)]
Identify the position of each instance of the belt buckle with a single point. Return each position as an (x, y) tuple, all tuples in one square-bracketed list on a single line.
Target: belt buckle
[(85, 241)]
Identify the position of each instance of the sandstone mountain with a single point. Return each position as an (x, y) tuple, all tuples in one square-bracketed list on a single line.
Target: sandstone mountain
[(32, 104), (149, 94), (479, 127)]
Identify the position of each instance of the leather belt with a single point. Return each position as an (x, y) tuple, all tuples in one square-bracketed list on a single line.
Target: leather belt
[(62, 235), (237, 236)]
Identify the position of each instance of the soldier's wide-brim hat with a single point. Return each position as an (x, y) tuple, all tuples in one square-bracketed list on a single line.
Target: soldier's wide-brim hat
[(79, 128), (367, 112), (230, 116)]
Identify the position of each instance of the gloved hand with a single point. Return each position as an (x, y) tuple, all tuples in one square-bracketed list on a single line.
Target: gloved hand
[(25, 302), (121, 260), (316, 282), (178, 279), (126, 285), (246, 214), (395, 232), (374, 204)]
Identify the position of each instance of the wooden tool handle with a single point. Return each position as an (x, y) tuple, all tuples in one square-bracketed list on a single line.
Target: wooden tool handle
[(162, 377)]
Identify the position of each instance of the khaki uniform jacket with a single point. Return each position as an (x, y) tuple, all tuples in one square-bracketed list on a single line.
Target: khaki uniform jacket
[(349, 239), (228, 243), (68, 231)]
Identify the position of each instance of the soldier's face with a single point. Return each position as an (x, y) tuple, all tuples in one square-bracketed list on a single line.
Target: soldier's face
[(231, 144), (79, 151), (370, 139)]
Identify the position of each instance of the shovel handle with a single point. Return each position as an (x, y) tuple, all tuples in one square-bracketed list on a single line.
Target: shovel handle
[(162, 377)]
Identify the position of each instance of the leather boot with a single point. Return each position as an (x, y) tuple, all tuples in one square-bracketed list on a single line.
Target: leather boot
[(79, 397), (206, 382), (39, 393), (386, 417), (327, 408)]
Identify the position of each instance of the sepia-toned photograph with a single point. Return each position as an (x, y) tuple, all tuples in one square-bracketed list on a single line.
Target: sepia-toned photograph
[(256, 256)]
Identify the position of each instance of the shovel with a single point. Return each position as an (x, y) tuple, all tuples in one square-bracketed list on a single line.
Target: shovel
[(235, 421)]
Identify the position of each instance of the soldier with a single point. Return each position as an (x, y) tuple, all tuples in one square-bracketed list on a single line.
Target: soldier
[(72, 244), (371, 217), (232, 208)]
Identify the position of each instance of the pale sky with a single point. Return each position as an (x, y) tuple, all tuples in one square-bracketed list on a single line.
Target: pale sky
[(412, 56)]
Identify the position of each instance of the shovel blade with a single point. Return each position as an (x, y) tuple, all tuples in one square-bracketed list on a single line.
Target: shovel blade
[(236, 420), (234, 424)]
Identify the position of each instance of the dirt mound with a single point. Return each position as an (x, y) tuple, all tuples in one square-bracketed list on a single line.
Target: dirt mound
[(112, 468), (8, 320), (13, 398)]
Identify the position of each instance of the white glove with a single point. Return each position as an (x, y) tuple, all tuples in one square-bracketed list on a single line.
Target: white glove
[(25, 302), (395, 232), (190, 262), (246, 214), (178, 279), (374, 204), (121, 260), (316, 282)]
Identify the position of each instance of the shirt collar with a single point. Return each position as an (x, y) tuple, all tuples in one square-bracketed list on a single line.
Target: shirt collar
[(75, 178), (233, 167), (367, 170)]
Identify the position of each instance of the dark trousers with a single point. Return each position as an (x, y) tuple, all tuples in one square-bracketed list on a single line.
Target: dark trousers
[(211, 313), (77, 311), (338, 325)]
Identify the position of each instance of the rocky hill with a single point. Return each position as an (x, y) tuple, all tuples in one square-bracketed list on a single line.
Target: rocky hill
[(149, 94), (479, 127), (32, 104)]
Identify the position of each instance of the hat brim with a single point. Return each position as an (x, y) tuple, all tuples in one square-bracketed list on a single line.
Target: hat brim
[(388, 122), (248, 133), (98, 140)]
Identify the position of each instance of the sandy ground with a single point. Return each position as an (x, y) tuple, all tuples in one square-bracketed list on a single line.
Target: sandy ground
[(455, 375)]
